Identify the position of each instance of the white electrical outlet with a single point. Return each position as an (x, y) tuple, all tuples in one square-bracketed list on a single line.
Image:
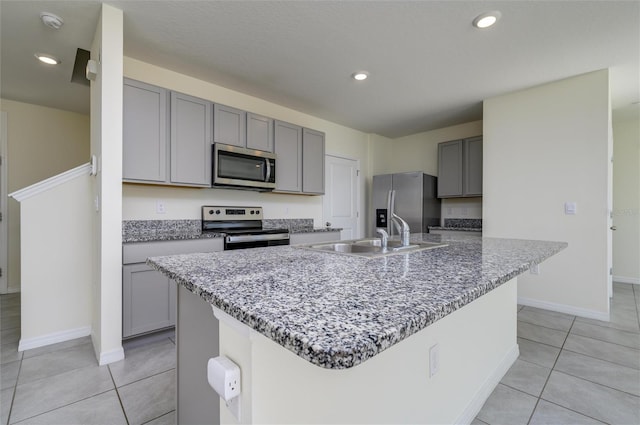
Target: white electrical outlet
[(434, 360), (160, 207), (535, 269)]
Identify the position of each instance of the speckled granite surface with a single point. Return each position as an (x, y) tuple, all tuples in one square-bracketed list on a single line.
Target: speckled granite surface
[(460, 224), (296, 225), (170, 230), (163, 230), (338, 311)]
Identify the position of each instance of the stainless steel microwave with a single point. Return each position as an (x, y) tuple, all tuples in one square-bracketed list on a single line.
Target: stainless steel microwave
[(240, 168)]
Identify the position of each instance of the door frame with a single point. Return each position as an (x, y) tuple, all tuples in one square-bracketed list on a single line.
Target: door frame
[(358, 192), (4, 237)]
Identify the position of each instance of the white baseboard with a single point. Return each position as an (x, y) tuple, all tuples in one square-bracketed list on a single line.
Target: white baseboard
[(53, 338), (111, 356), (563, 308), (627, 279), (481, 396)]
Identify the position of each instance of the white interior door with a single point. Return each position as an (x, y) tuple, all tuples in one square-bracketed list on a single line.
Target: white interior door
[(3, 204), (341, 198)]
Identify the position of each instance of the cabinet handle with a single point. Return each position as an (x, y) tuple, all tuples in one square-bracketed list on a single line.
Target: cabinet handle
[(328, 224), (613, 228)]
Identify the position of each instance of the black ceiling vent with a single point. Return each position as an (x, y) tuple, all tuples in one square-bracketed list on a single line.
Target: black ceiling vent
[(80, 66)]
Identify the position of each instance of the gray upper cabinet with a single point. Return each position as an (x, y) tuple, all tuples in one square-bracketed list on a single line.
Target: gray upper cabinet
[(313, 145), (473, 167), (229, 126), (288, 150), (460, 168), (450, 169), (259, 132), (190, 140), (144, 133)]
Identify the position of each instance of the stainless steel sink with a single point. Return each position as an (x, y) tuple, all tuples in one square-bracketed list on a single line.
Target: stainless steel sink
[(371, 247)]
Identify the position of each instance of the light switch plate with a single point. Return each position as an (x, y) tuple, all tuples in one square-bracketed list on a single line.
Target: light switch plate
[(570, 208)]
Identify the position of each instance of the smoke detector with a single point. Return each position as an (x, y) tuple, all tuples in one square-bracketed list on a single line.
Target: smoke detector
[(51, 20)]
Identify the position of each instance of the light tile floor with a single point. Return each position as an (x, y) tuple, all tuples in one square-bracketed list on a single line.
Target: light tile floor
[(570, 371), (573, 370)]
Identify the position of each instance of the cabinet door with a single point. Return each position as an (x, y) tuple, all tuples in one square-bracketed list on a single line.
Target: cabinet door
[(144, 132), (190, 140), (259, 132), (316, 237), (229, 126), (288, 149), (148, 300), (313, 162), (450, 169), (473, 166)]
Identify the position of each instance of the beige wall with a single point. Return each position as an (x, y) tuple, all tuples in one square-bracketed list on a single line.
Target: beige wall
[(41, 142), (139, 201), (543, 147), (626, 200), (56, 280)]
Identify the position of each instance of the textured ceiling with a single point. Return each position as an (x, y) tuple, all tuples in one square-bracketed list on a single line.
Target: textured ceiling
[(429, 67)]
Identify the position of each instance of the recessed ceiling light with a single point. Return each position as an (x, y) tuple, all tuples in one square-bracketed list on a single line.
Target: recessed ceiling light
[(487, 19), (48, 59), (360, 75)]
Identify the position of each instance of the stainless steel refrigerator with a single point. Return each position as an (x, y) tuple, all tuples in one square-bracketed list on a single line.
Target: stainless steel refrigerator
[(415, 202)]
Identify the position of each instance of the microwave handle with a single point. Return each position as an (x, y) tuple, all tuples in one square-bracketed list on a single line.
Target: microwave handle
[(268, 176)]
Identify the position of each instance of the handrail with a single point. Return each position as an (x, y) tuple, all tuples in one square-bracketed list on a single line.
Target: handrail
[(44, 185)]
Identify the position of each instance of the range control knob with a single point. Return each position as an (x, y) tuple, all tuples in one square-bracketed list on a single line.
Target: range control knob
[(252, 212), (257, 211), (217, 211), (210, 212)]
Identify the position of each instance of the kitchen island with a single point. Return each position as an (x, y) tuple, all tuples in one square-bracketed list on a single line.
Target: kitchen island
[(320, 337)]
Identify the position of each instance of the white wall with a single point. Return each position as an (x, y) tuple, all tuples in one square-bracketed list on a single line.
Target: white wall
[(626, 200), (106, 144), (56, 264), (183, 203), (41, 142), (542, 147)]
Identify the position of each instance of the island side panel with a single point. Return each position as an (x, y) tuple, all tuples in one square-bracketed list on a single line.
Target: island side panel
[(196, 342), (477, 345)]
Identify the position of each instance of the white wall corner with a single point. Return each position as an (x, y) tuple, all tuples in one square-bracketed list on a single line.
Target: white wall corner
[(626, 279), (53, 338), (110, 356), (567, 309)]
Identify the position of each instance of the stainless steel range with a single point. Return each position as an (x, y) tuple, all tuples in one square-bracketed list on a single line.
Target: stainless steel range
[(242, 226)]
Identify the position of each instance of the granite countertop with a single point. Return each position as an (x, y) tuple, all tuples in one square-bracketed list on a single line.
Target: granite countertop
[(171, 230), (337, 311), (460, 225), (457, 229)]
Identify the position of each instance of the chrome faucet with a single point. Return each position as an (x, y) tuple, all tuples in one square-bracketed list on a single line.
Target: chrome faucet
[(395, 220), (384, 237)]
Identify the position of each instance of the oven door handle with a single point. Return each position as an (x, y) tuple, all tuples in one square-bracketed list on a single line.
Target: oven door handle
[(256, 238)]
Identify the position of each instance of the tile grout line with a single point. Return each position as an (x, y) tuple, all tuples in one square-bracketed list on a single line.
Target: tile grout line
[(13, 395), (552, 369), (124, 412)]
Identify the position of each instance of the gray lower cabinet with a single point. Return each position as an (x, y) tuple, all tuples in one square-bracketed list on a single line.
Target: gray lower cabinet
[(148, 296), (460, 168), (148, 300), (315, 237), (144, 133), (300, 159), (229, 126)]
